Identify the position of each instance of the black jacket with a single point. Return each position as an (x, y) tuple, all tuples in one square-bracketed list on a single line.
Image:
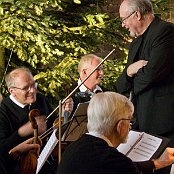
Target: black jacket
[(90, 154), (153, 85)]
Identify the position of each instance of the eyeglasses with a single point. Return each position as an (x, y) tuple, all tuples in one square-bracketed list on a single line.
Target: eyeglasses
[(131, 120), (124, 19), (27, 88)]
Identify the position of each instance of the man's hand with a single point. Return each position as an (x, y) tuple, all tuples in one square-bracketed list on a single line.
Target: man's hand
[(134, 67), (166, 159), (24, 147), (68, 105), (27, 130)]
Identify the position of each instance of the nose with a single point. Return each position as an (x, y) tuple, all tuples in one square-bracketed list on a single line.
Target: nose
[(123, 24), (33, 88)]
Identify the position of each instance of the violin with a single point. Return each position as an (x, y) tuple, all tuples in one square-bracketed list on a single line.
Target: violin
[(28, 163)]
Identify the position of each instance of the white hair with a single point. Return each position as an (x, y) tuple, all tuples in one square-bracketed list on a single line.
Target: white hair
[(104, 111), (143, 6), (11, 76), (86, 61)]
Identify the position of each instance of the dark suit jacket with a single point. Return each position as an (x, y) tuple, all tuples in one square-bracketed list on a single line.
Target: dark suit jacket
[(81, 99), (153, 85), (90, 154)]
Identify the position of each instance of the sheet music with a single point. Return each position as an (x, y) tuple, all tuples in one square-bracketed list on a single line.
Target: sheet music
[(47, 151), (143, 148), (71, 131), (78, 126), (132, 138), (172, 169)]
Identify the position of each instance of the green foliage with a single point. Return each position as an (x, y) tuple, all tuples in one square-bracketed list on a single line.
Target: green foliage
[(49, 36)]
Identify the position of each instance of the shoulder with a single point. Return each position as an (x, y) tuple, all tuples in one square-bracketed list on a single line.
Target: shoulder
[(161, 26), (8, 109), (40, 98), (6, 102)]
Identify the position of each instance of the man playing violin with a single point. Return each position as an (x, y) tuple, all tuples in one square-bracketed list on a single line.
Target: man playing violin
[(86, 65), (14, 125)]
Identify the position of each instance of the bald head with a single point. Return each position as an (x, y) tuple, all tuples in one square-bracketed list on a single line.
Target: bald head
[(21, 85), (143, 6), (11, 77)]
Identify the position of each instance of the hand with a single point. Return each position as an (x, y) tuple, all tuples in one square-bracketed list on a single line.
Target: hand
[(166, 159), (134, 67), (68, 105), (27, 130), (41, 122), (24, 147)]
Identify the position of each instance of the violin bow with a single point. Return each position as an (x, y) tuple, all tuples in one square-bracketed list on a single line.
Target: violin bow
[(71, 93), (75, 89)]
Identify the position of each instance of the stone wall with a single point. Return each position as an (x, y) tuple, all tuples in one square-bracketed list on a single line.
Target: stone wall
[(112, 7), (171, 17)]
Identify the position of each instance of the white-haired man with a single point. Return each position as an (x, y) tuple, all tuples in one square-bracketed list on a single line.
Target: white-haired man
[(109, 116)]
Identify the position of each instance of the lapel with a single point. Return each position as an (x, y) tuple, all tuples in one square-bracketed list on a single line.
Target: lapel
[(135, 45)]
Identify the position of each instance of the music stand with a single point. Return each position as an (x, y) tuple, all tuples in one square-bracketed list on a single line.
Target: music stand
[(50, 145), (78, 124), (70, 131)]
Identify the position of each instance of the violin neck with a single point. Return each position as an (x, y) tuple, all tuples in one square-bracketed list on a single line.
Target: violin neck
[(35, 136)]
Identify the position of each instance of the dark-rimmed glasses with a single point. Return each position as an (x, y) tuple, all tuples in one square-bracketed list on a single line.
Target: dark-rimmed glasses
[(124, 19), (27, 88), (131, 120)]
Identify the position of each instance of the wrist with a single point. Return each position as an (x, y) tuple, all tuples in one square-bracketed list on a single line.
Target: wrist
[(20, 132), (129, 74), (156, 165)]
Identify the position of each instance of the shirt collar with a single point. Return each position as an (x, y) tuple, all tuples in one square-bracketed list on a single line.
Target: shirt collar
[(83, 88), (95, 134), (16, 102)]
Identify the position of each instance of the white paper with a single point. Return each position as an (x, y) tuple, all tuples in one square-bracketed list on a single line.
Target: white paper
[(140, 146), (172, 169), (132, 138), (47, 151)]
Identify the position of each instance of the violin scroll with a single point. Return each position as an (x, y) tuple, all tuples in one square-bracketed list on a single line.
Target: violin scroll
[(32, 114)]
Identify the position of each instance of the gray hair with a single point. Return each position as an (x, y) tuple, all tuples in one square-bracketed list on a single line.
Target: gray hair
[(86, 61), (11, 76), (143, 6), (104, 111)]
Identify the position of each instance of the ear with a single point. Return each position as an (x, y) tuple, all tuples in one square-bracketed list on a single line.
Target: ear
[(84, 71), (119, 126), (10, 90), (138, 15)]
